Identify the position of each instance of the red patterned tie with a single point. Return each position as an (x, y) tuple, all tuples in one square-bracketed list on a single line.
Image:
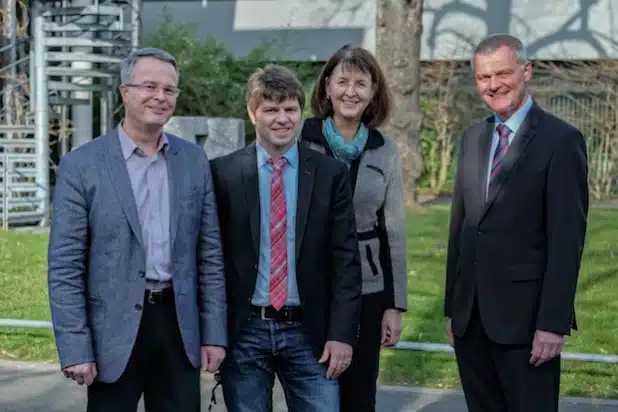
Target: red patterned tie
[(500, 152), (278, 237)]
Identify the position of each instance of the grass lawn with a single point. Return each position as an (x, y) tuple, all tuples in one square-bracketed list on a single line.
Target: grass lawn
[(23, 295), (596, 306)]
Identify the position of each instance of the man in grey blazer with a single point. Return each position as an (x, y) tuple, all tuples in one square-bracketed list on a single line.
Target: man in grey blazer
[(136, 282)]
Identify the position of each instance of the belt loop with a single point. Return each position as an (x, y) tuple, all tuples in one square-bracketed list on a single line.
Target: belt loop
[(263, 313)]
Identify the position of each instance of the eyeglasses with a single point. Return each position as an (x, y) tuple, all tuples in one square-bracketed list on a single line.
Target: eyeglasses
[(153, 89)]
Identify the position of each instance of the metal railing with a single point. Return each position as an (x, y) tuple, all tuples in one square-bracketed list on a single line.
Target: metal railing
[(403, 345), (20, 202), (441, 347)]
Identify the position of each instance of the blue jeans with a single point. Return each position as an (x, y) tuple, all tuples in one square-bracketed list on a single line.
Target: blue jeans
[(265, 348)]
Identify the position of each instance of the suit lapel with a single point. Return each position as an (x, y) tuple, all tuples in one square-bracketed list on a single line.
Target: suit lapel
[(306, 171), (174, 170), (250, 183), (119, 176), (484, 146), (523, 136)]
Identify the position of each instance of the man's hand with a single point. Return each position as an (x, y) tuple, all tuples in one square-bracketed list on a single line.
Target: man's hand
[(212, 356), (340, 355), (81, 373), (545, 346), (391, 327), (449, 332)]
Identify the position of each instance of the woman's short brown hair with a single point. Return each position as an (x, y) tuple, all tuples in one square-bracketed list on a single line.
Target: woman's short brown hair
[(379, 108)]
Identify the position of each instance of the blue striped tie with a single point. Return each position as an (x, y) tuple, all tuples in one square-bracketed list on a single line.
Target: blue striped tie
[(501, 148)]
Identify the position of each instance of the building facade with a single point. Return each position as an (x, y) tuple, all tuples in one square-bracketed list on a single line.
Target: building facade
[(314, 29)]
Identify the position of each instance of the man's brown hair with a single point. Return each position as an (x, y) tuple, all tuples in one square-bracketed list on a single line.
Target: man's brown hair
[(379, 108), (276, 83)]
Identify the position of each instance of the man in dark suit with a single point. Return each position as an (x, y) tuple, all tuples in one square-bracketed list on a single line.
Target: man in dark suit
[(292, 264), (517, 228), (136, 282)]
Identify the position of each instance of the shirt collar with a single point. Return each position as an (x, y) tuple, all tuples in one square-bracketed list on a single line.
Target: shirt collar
[(128, 145), (291, 155), (515, 121)]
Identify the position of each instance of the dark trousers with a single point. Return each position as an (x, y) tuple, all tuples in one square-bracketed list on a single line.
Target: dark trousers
[(499, 378), (158, 368), (358, 384)]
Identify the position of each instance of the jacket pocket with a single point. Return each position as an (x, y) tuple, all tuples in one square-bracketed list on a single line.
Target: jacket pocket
[(372, 264), (526, 273), (369, 248)]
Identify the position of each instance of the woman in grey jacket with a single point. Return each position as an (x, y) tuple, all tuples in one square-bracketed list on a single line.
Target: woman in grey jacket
[(350, 100)]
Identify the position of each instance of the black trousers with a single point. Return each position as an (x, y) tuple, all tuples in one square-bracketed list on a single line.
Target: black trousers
[(499, 378), (358, 384), (158, 368)]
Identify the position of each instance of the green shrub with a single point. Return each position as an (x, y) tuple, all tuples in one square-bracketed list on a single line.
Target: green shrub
[(213, 83)]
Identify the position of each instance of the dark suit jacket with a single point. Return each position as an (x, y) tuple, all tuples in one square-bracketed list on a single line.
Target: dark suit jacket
[(328, 267), (518, 253)]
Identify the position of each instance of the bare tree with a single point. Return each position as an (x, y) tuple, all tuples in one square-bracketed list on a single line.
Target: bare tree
[(441, 118), (586, 95), (14, 20), (398, 48), (450, 103)]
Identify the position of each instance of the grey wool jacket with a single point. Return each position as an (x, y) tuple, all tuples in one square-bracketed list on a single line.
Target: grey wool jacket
[(377, 184)]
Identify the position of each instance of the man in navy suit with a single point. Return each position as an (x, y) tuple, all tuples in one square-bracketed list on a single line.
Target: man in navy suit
[(518, 222)]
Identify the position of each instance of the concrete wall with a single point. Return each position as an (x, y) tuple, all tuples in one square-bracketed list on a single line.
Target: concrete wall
[(550, 29), (314, 29), (295, 29), (218, 136)]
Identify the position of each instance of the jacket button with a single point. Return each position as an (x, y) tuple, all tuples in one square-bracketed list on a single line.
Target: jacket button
[(138, 306), (142, 273)]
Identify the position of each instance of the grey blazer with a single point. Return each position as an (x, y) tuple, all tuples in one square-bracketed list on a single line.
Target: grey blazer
[(96, 260), (379, 209)]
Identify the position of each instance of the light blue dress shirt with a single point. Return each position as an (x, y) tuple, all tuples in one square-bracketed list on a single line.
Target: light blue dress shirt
[(513, 123), (149, 181), (290, 187)]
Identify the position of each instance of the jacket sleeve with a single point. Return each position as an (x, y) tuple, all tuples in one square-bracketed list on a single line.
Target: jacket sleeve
[(347, 280), (566, 210), (392, 219), (458, 214), (66, 262), (212, 291)]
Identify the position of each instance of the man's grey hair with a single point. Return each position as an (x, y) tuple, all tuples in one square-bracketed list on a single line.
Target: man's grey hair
[(493, 42), (128, 64)]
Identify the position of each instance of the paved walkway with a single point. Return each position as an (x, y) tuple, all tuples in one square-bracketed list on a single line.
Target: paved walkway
[(29, 387)]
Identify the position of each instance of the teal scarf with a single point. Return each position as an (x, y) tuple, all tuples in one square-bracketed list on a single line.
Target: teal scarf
[(345, 152)]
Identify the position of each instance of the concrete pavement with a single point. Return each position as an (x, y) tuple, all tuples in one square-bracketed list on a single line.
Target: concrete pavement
[(31, 387)]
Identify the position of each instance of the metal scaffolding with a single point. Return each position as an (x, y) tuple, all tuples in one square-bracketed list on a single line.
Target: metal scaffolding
[(59, 72)]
